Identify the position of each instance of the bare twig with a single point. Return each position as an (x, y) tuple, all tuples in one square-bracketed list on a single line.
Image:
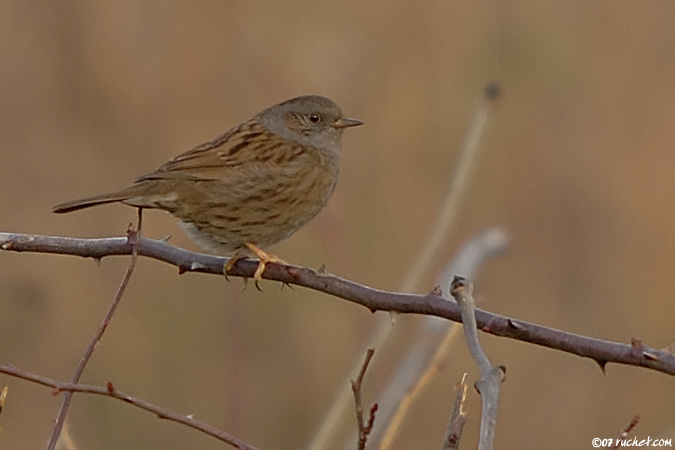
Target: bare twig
[(618, 442), (428, 349), (491, 376), (364, 426), (459, 182), (431, 304), (458, 418), (468, 156), (133, 237), (111, 391)]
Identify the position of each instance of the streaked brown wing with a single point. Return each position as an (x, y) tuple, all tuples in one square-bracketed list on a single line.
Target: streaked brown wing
[(248, 146)]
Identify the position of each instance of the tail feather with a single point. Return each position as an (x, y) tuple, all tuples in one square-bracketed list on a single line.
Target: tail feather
[(82, 203)]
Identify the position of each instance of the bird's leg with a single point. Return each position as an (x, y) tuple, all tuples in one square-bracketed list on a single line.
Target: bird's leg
[(231, 262), (265, 258)]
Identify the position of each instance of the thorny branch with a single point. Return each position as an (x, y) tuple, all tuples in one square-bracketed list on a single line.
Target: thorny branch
[(111, 391), (365, 426), (601, 351), (133, 236)]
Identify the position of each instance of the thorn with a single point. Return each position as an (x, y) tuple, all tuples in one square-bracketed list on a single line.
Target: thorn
[(503, 369), (321, 270), (603, 364), (651, 356), (437, 290), (513, 324)]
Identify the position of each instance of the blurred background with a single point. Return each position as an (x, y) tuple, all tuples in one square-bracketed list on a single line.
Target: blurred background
[(578, 167)]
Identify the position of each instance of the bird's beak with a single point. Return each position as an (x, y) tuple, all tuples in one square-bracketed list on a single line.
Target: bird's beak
[(344, 122)]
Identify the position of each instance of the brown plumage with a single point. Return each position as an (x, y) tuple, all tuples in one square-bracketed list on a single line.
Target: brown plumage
[(253, 186)]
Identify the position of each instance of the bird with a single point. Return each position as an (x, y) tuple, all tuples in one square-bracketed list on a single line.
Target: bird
[(251, 187)]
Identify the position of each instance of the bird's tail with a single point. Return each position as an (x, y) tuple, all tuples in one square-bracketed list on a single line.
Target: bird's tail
[(111, 197)]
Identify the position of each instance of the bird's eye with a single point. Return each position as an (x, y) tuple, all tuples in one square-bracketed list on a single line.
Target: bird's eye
[(314, 118)]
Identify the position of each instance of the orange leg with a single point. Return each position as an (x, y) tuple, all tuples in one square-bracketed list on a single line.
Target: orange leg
[(265, 258), (231, 262)]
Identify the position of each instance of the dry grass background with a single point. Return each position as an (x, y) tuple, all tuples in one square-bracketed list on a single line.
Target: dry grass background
[(579, 168)]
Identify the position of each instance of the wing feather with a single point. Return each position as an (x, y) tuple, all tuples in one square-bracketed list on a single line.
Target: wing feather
[(246, 148)]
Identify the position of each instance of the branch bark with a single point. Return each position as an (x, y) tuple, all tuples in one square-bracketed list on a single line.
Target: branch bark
[(432, 304), (111, 391), (491, 376)]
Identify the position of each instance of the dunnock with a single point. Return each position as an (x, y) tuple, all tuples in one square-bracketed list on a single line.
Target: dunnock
[(251, 187)]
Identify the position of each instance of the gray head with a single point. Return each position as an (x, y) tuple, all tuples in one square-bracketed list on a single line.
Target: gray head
[(308, 120)]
